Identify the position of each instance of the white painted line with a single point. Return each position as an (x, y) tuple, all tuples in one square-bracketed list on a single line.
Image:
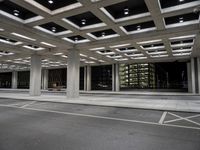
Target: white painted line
[(91, 116), (10, 106), (162, 118), (179, 126), (182, 118), (169, 121), (28, 104), (102, 117), (14, 104)]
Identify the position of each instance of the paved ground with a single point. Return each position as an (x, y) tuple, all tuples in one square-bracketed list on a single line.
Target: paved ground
[(137, 92), (33, 125), (185, 102)]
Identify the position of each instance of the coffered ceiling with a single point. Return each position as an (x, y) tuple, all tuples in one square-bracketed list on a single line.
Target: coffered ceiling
[(105, 31)]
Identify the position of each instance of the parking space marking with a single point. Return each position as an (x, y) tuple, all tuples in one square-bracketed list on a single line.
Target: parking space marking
[(182, 118), (162, 118), (178, 119), (13, 104), (102, 117), (25, 105)]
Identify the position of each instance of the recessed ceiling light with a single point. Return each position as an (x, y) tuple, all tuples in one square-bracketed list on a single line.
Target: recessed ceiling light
[(83, 21), (76, 39), (83, 55), (181, 19), (138, 27), (16, 12), (151, 41), (93, 58), (181, 0), (126, 11), (48, 44), (98, 48), (103, 33), (23, 36), (50, 1), (64, 56), (57, 54), (53, 29), (120, 45), (101, 61), (34, 46)]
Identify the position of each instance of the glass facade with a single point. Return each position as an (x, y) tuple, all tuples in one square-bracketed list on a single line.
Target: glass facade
[(137, 76), (153, 76), (6, 80), (23, 79), (58, 78), (81, 83), (171, 75), (101, 77)]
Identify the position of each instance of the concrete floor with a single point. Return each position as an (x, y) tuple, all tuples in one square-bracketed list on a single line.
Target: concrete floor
[(162, 101), (31, 125)]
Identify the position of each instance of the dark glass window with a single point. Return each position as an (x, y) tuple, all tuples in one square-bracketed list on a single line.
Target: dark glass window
[(57, 78), (23, 79), (6, 80), (81, 78), (171, 75), (101, 77)]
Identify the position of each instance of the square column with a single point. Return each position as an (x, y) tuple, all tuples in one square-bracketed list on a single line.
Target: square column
[(189, 78), (115, 78), (117, 82), (45, 73), (88, 84), (35, 75), (14, 79), (198, 74), (85, 78), (73, 69), (193, 85)]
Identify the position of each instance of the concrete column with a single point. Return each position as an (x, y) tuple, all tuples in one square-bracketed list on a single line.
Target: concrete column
[(85, 78), (189, 77), (73, 69), (14, 80), (113, 77), (35, 75), (45, 79), (198, 73), (42, 79), (88, 78), (117, 81), (193, 86)]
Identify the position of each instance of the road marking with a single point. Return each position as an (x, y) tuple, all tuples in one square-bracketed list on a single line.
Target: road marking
[(162, 118), (102, 117), (184, 118), (27, 104), (169, 121), (14, 104)]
